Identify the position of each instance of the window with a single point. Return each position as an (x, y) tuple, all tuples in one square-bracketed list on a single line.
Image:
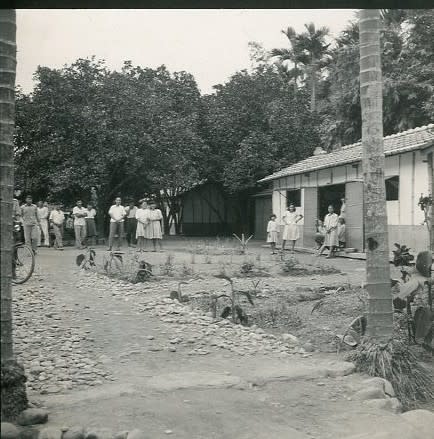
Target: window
[(392, 188), (293, 197)]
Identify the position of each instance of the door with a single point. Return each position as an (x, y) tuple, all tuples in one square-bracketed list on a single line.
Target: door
[(263, 210), (310, 208), (354, 215)]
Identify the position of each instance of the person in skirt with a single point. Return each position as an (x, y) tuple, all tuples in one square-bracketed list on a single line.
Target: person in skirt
[(143, 225), (272, 233), (290, 229), (156, 229)]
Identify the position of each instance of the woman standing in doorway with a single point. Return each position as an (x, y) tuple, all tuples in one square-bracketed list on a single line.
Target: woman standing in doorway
[(331, 237), (290, 229)]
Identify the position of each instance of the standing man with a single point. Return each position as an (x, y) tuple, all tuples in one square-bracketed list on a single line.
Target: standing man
[(43, 224), (30, 220), (57, 218), (79, 213), (117, 214), (131, 224)]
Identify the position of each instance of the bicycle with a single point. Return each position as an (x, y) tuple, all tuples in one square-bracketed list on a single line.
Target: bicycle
[(23, 258)]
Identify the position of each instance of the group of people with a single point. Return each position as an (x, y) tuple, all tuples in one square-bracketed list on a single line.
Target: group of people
[(143, 224), (138, 225), (330, 233)]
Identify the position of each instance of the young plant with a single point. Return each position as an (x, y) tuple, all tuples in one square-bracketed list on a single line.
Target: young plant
[(421, 325), (87, 260), (402, 258), (168, 268), (243, 242), (114, 260), (235, 310), (186, 270), (144, 272), (177, 295)]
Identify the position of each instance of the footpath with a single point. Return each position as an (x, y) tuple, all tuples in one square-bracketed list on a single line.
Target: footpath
[(112, 357)]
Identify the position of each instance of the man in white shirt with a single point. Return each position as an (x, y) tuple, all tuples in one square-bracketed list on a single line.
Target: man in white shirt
[(117, 214), (79, 213), (57, 218), (43, 225)]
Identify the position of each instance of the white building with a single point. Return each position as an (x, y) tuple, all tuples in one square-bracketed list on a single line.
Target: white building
[(324, 178)]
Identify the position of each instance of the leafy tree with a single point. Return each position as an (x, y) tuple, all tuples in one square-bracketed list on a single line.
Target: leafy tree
[(120, 131)]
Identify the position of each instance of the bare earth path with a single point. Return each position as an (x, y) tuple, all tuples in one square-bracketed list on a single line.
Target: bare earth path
[(148, 377)]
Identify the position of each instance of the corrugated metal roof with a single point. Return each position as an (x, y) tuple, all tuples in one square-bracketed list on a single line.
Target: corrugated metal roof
[(394, 144)]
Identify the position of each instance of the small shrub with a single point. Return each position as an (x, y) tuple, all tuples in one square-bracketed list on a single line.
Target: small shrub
[(247, 267), (289, 265), (186, 270), (167, 269)]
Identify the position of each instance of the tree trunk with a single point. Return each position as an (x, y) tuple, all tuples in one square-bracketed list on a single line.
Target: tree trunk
[(313, 87), (431, 208), (7, 114), (13, 390), (380, 312)]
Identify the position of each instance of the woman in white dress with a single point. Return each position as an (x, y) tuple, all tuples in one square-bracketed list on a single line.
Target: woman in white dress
[(290, 229), (331, 237), (143, 225), (156, 230)]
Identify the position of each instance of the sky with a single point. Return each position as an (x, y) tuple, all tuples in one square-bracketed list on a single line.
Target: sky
[(210, 44)]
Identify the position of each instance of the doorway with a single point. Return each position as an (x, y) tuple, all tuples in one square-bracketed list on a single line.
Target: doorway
[(327, 195)]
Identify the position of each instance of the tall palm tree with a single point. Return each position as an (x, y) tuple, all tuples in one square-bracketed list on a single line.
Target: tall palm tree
[(315, 50), (7, 113), (293, 55), (380, 313), (13, 390)]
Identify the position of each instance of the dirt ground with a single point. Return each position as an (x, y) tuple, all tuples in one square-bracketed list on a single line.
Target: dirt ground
[(145, 383)]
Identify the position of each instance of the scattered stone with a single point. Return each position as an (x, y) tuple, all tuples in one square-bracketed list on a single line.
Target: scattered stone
[(369, 393), (75, 432), (382, 383), (137, 434), (121, 435), (32, 416), (390, 404), (421, 419), (9, 431), (290, 338), (50, 433), (101, 433)]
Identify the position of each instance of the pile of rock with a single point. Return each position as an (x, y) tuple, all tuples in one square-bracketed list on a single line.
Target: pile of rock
[(49, 346)]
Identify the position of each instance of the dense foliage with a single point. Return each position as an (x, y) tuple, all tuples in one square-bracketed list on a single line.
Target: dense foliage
[(142, 131)]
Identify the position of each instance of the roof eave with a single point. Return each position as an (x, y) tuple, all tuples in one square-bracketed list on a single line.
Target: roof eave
[(347, 162)]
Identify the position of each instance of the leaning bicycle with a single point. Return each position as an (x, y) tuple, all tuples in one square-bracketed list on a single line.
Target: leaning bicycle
[(23, 258)]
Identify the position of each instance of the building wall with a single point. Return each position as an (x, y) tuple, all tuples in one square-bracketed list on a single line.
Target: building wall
[(404, 215)]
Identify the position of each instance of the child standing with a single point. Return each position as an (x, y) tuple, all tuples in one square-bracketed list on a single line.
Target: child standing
[(272, 233), (341, 232)]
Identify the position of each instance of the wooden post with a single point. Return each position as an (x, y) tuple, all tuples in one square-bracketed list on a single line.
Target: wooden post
[(380, 313)]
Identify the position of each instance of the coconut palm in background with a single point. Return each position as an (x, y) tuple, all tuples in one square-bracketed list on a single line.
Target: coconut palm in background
[(308, 53), (292, 56), (13, 393), (380, 320)]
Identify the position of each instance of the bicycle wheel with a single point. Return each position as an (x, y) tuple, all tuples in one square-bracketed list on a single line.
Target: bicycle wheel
[(24, 264)]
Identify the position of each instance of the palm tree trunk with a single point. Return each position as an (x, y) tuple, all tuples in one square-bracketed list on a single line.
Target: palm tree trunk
[(380, 313), (313, 87), (7, 117), (13, 389)]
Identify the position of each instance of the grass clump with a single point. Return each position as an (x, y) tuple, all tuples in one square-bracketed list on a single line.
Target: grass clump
[(395, 362)]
